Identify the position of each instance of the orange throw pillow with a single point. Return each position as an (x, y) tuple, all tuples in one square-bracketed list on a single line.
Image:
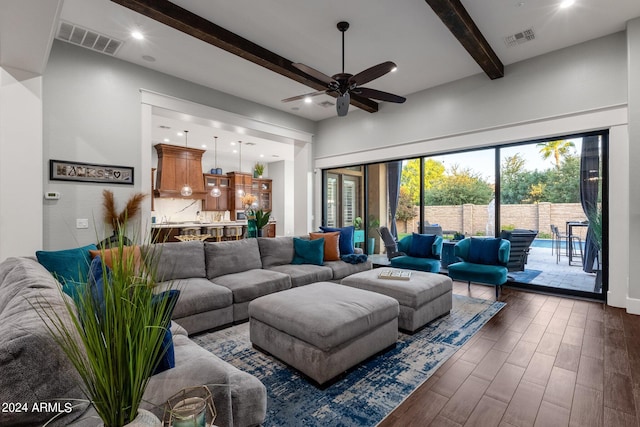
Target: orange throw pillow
[(331, 244), (108, 255)]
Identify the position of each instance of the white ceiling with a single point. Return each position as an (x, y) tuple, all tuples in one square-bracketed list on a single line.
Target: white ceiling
[(201, 135), (407, 32)]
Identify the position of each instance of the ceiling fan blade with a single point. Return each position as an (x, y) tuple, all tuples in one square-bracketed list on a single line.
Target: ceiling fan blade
[(372, 73), (306, 95), (379, 95), (313, 73)]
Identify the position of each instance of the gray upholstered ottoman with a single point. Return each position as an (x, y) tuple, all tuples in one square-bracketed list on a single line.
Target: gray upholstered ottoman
[(422, 298), (324, 328)]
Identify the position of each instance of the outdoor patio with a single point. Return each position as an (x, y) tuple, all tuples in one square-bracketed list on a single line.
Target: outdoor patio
[(557, 275)]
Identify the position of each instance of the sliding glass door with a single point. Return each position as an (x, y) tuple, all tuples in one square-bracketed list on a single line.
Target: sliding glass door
[(548, 197), (551, 205)]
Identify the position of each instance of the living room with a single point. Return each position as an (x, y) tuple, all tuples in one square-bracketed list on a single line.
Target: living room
[(84, 106)]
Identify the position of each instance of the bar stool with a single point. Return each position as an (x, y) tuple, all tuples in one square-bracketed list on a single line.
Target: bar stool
[(216, 232), (233, 231)]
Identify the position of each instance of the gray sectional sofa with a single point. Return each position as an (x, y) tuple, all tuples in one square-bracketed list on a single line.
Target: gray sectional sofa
[(35, 370), (217, 281)]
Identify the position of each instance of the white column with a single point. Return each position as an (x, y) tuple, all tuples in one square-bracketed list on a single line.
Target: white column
[(21, 164)]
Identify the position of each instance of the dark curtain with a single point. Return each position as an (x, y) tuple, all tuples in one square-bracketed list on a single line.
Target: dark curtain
[(394, 170), (589, 180)]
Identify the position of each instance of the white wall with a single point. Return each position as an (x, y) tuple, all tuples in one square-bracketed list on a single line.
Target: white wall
[(571, 90), (21, 194), (93, 113), (633, 53)]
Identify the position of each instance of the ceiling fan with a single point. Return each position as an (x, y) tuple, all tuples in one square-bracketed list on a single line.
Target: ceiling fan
[(345, 84)]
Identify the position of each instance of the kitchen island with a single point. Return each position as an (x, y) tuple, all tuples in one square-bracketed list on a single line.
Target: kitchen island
[(217, 230)]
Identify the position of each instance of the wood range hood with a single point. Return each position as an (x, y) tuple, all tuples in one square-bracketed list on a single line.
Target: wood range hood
[(178, 166)]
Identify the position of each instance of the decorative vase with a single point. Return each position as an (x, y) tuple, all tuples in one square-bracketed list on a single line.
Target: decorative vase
[(261, 232), (144, 419), (252, 228), (371, 245)]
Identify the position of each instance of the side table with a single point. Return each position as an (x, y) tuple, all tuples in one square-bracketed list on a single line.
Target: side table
[(447, 253)]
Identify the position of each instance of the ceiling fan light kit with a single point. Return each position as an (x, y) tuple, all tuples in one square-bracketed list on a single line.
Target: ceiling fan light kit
[(342, 85)]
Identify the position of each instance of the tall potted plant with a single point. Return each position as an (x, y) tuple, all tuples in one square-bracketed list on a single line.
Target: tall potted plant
[(115, 337), (374, 223), (262, 220)]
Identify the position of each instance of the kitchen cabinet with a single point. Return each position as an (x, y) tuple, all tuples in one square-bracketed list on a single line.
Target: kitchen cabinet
[(261, 188), (178, 166), (216, 203), (239, 184)]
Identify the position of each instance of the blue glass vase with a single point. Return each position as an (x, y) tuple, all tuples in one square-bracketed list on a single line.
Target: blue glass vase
[(252, 228)]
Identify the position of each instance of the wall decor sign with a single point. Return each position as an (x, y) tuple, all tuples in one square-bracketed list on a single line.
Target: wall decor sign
[(60, 170)]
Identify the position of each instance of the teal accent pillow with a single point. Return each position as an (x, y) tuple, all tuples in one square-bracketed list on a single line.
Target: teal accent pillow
[(308, 251), (69, 266), (421, 245), (346, 241), (484, 251)]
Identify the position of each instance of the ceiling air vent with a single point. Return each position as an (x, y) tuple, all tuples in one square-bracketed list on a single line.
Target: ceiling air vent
[(86, 38), (519, 38)]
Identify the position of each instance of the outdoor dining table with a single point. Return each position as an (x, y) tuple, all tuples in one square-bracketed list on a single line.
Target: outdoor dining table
[(570, 225)]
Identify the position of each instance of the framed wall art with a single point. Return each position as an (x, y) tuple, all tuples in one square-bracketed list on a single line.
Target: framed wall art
[(61, 170)]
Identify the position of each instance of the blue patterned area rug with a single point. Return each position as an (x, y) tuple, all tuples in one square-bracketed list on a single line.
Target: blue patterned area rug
[(369, 392)]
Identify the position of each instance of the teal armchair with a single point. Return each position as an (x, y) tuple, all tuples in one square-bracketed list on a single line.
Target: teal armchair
[(482, 261), (417, 257)]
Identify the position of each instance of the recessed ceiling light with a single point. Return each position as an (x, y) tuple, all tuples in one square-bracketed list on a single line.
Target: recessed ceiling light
[(204, 145), (166, 140), (566, 3), (307, 100), (233, 143), (180, 134), (137, 35), (261, 155), (234, 151)]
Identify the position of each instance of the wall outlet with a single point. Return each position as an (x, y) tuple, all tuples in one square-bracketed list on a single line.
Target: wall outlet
[(82, 223)]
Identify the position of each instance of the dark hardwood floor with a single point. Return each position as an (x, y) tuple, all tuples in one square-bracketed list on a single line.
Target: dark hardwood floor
[(543, 361)]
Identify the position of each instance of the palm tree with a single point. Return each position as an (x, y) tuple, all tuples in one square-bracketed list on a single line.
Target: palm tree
[(558, 148)]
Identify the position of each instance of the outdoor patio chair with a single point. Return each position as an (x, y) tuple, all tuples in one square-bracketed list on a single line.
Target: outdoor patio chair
[(571, 240), (390, 244), (521, 240)]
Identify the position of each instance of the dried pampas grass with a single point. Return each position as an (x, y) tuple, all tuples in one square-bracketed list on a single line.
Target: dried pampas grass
[(111, 215)]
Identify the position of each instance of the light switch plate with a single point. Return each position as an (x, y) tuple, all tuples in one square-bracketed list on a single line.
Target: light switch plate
[(82, 223)]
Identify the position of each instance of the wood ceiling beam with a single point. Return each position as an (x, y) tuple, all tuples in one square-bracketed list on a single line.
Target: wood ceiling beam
[(189, 23), (457, 19)]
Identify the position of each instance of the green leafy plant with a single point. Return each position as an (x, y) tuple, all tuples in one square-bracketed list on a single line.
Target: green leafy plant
[(114, 339), (357, 223), (595, 224), (374, 222), (262, 218), (258, 169)]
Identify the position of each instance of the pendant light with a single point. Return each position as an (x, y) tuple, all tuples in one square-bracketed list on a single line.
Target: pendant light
[(215, 191), (186, 189), (241, 190)]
